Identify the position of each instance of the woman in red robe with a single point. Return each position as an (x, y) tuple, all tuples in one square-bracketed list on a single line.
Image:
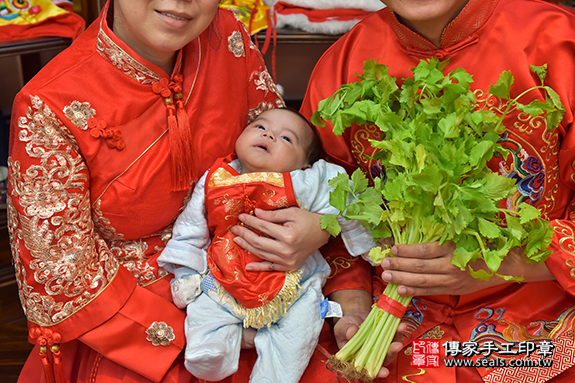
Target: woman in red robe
[(485, 37), (106, 144)]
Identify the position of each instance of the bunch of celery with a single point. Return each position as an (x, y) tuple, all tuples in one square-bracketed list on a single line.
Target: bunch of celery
[(435, 144)]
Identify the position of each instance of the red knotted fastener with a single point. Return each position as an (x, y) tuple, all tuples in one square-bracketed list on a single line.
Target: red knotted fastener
[(182, 156), (49, 343)]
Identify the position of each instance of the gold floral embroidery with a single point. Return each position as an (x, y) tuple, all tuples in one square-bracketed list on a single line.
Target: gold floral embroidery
[(228, 251), (236, 44), (160, 334), (253, 113), (567, 244), (263, 81), (123, 61), (42, 129), (338, 262), (231, 206), (79, 113), (361, 137), (524, 123), (277, 204), (264, 298), (222, 177), (551, 188), (103, 225), (52, 222), (69, 268)]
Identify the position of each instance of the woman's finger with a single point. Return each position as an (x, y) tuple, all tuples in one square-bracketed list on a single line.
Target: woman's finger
[(423, 250), (253, 243), (415, 284), (265, 266), (269, 222), (440, 265)]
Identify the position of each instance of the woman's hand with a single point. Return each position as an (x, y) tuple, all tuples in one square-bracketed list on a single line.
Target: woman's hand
[(426, 269), (293, 234), (356, 305)]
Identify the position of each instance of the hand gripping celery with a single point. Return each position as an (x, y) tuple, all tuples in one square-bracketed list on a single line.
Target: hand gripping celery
[(434, 147)]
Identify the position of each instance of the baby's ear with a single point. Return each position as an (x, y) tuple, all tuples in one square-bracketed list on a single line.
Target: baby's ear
[(308, 166)]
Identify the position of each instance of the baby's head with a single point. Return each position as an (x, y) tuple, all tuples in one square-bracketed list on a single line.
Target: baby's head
[(279, 140)]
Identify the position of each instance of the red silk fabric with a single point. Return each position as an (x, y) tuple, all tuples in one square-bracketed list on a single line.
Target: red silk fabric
[(229, 194)]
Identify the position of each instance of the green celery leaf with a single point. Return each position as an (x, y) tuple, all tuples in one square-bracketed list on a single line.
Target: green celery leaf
[(515, 227), (540, 71), (338, 199), (480, 274), (462, 257), (371, 195), (329, 222), (487, 228), (498, 187), (481, 153), (527, 212), (502, 87), (377, 254), (493, 259), (382, 230), (462, 77), (371, 213), (534, 108), (359, 181)]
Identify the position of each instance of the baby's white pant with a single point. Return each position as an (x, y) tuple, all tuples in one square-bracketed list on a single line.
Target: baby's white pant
[(284, 349)]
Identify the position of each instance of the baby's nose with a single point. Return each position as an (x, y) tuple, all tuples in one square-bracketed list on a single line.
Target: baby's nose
[(269, 135)]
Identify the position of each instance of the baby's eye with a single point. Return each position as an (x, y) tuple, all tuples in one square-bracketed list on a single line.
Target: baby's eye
[(260, 127), (286, 138)]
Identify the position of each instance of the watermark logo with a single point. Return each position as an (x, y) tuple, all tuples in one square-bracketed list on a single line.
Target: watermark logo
[(426, 354)]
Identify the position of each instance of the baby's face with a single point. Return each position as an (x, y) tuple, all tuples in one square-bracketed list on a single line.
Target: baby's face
[(276, 141)]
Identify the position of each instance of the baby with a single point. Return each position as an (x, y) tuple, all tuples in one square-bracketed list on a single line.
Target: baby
[(277, 166)]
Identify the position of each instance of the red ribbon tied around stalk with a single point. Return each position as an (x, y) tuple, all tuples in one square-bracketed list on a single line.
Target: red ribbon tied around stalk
[(391, 306)]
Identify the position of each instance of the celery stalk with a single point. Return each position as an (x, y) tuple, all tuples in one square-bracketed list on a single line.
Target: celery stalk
[(434, 145)]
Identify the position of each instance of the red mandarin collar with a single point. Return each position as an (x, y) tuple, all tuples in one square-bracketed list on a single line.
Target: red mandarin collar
[(119, 48), (460, 32)]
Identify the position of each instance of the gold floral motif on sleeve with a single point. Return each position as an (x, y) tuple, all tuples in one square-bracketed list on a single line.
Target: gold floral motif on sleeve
[(60, 263), (264, 82), (262, 107), (79, 113), (132, 256), (236, 44)]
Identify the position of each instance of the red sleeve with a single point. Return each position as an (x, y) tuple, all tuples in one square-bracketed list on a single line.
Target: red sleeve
[(70, 281), (347, 272), (262, 90)]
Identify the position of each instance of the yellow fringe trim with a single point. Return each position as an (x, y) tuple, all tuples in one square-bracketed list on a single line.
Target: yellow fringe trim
[(270, 312)]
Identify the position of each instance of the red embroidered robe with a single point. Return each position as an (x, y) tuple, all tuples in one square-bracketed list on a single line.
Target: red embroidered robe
[(487, 37), (264, 297)]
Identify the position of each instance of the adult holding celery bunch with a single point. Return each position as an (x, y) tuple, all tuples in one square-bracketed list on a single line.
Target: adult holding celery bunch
[(485, 38)]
